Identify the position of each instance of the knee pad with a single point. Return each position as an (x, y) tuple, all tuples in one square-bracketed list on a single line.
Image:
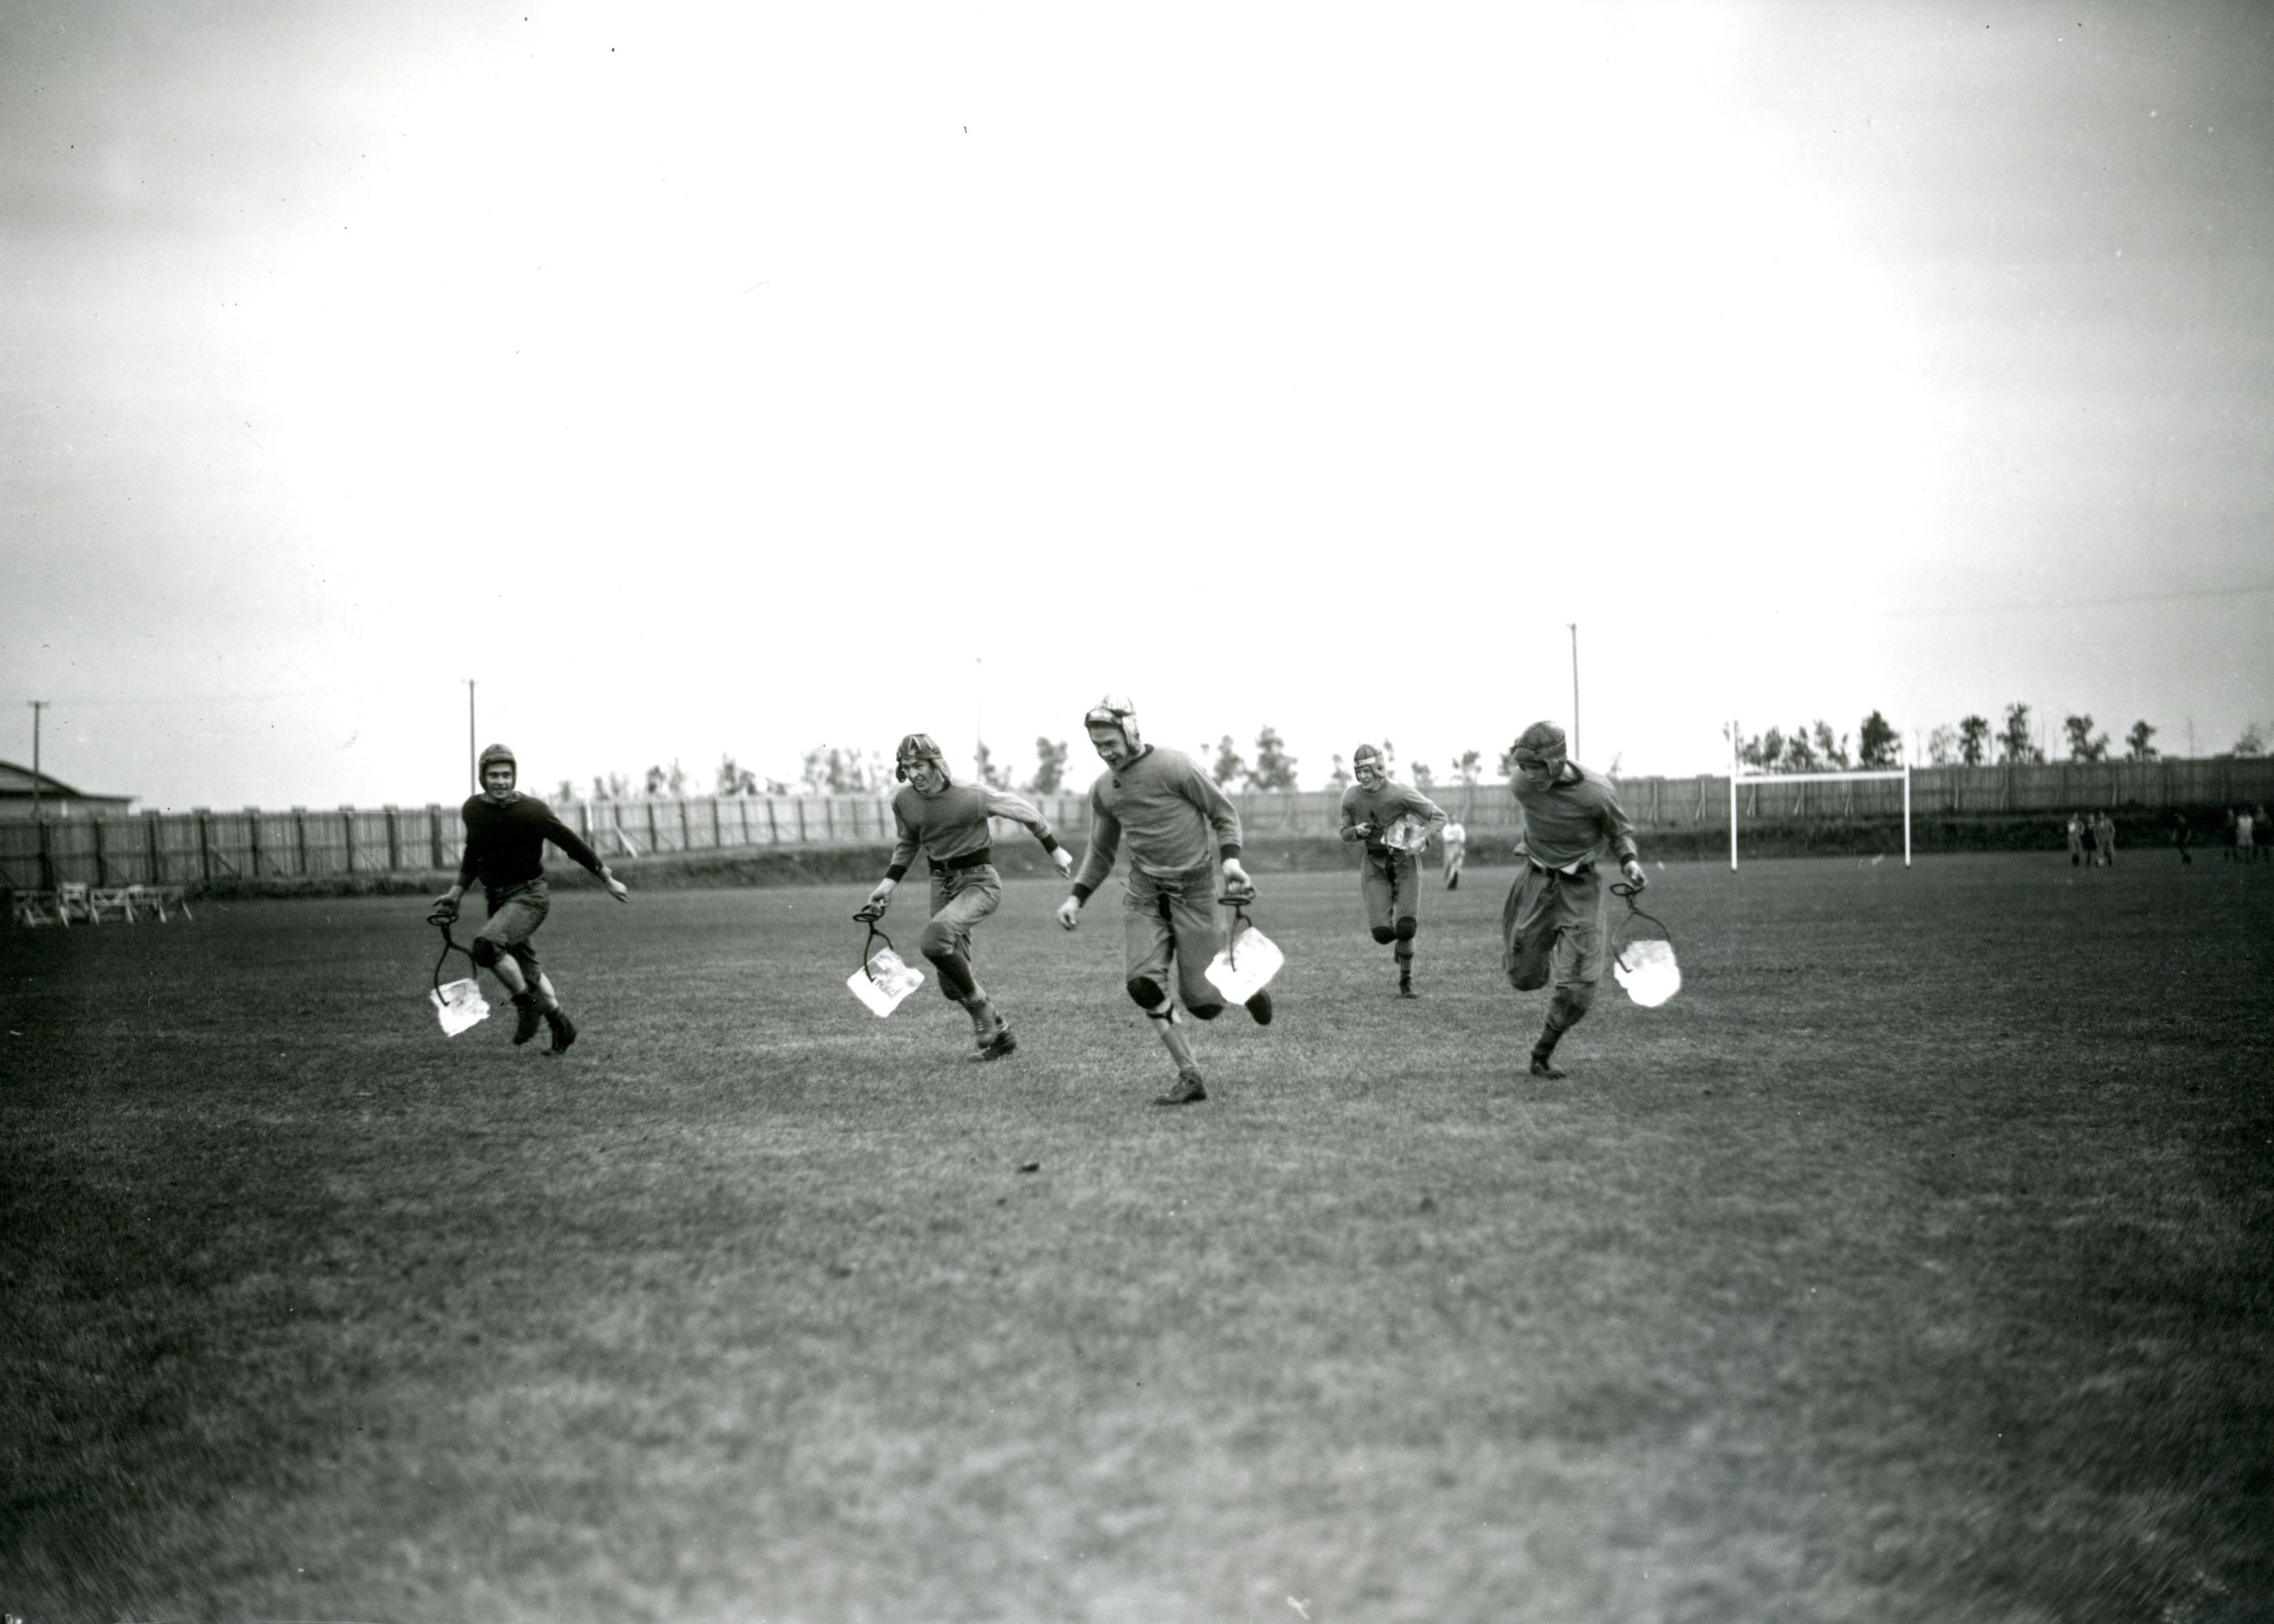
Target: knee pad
[(1207, 1011), (1147, 993), (1406, 928), (486, 952), (1384, 935)]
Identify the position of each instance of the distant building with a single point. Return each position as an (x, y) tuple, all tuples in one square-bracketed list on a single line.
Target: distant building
[(56, 798)]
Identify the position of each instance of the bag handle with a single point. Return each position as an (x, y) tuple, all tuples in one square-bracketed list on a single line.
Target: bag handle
[(869, 916), (1236, 897), (1628, 892), (442, 919)]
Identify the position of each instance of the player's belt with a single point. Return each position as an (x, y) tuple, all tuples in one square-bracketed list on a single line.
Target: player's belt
[(979, 859), (1579, 873)]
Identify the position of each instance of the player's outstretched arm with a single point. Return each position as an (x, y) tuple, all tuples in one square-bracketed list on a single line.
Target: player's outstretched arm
[(880, 895)]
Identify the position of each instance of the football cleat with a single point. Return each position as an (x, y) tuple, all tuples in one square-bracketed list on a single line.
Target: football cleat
[(1260, 1007), (1188, 1091), (525, 1016), (1001, 1044), (1541, 1066), (564, 1030)]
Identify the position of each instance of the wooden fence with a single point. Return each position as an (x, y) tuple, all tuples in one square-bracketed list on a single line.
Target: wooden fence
[(200, 847)]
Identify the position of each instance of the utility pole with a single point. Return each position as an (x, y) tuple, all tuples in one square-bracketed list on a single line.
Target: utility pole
[(39, 829), (1574, 624), (37, 705), (473, 770)]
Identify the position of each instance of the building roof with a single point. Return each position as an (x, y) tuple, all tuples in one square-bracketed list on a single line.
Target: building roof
[(17, 780)]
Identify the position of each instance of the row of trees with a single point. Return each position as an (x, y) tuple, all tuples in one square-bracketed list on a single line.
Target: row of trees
[(1972, 742), (832, 770)]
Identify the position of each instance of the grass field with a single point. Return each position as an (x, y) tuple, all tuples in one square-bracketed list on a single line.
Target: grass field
[(1912, 1265)]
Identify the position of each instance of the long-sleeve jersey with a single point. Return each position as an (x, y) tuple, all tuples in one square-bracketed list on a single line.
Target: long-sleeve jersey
[(1383, 807), (505, 841), (1165, 807), (1573, 821), (953, 823)]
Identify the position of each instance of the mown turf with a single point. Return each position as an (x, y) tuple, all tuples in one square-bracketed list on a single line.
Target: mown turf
[(1913, 1264)]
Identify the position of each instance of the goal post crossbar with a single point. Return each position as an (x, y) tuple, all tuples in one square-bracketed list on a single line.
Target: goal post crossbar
[(1873, 775)]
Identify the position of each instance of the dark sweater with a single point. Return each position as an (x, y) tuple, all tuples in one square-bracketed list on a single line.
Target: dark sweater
[(505, 843)]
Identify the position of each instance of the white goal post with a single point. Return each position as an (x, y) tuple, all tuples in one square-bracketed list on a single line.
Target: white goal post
[(1736, 779)]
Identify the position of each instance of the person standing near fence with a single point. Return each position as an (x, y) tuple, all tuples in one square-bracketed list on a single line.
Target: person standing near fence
[(2076, 839), (1551, 923), (2104, 840), (932, 813), (1389, 876), (1182, 832), (506, 832), (1457, 847)]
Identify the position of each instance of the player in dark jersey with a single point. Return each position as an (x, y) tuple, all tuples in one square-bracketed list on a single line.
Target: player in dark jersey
[(1551, 923), (506, 832), (950, 821), (1384, 815)]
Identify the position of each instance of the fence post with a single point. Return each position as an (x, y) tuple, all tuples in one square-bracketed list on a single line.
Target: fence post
[(800, 819), (155, 847), (347, 828), (686, 828), (252, 826), (434, 833), (654, 836), (394, 841), (101, 866), (300, 839), (205, 845)]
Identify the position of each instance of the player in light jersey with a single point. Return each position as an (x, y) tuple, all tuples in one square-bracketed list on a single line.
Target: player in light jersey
[(1457, 849), (1389, 878), (1181, 831), (1552, 924), (950, 821)]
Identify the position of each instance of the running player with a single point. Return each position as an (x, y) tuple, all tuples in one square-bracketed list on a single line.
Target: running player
[(950, 821), (506, 832), (1375, 808), (1179, 828), (1457, 849), (1552, 924)]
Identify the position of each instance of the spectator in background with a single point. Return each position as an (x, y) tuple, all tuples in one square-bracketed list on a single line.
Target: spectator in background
[(2076, 839), (1456, 848), (2264, 834), (2183, 835), (2240, 846), (2104, 835)]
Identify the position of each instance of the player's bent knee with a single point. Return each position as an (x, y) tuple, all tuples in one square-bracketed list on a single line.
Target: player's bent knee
[(1147, 993), (938, 940), (486, 952), (1384, 933), (1406, 928)]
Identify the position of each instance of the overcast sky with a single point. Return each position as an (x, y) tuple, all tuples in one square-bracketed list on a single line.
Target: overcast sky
[(751, 378)]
